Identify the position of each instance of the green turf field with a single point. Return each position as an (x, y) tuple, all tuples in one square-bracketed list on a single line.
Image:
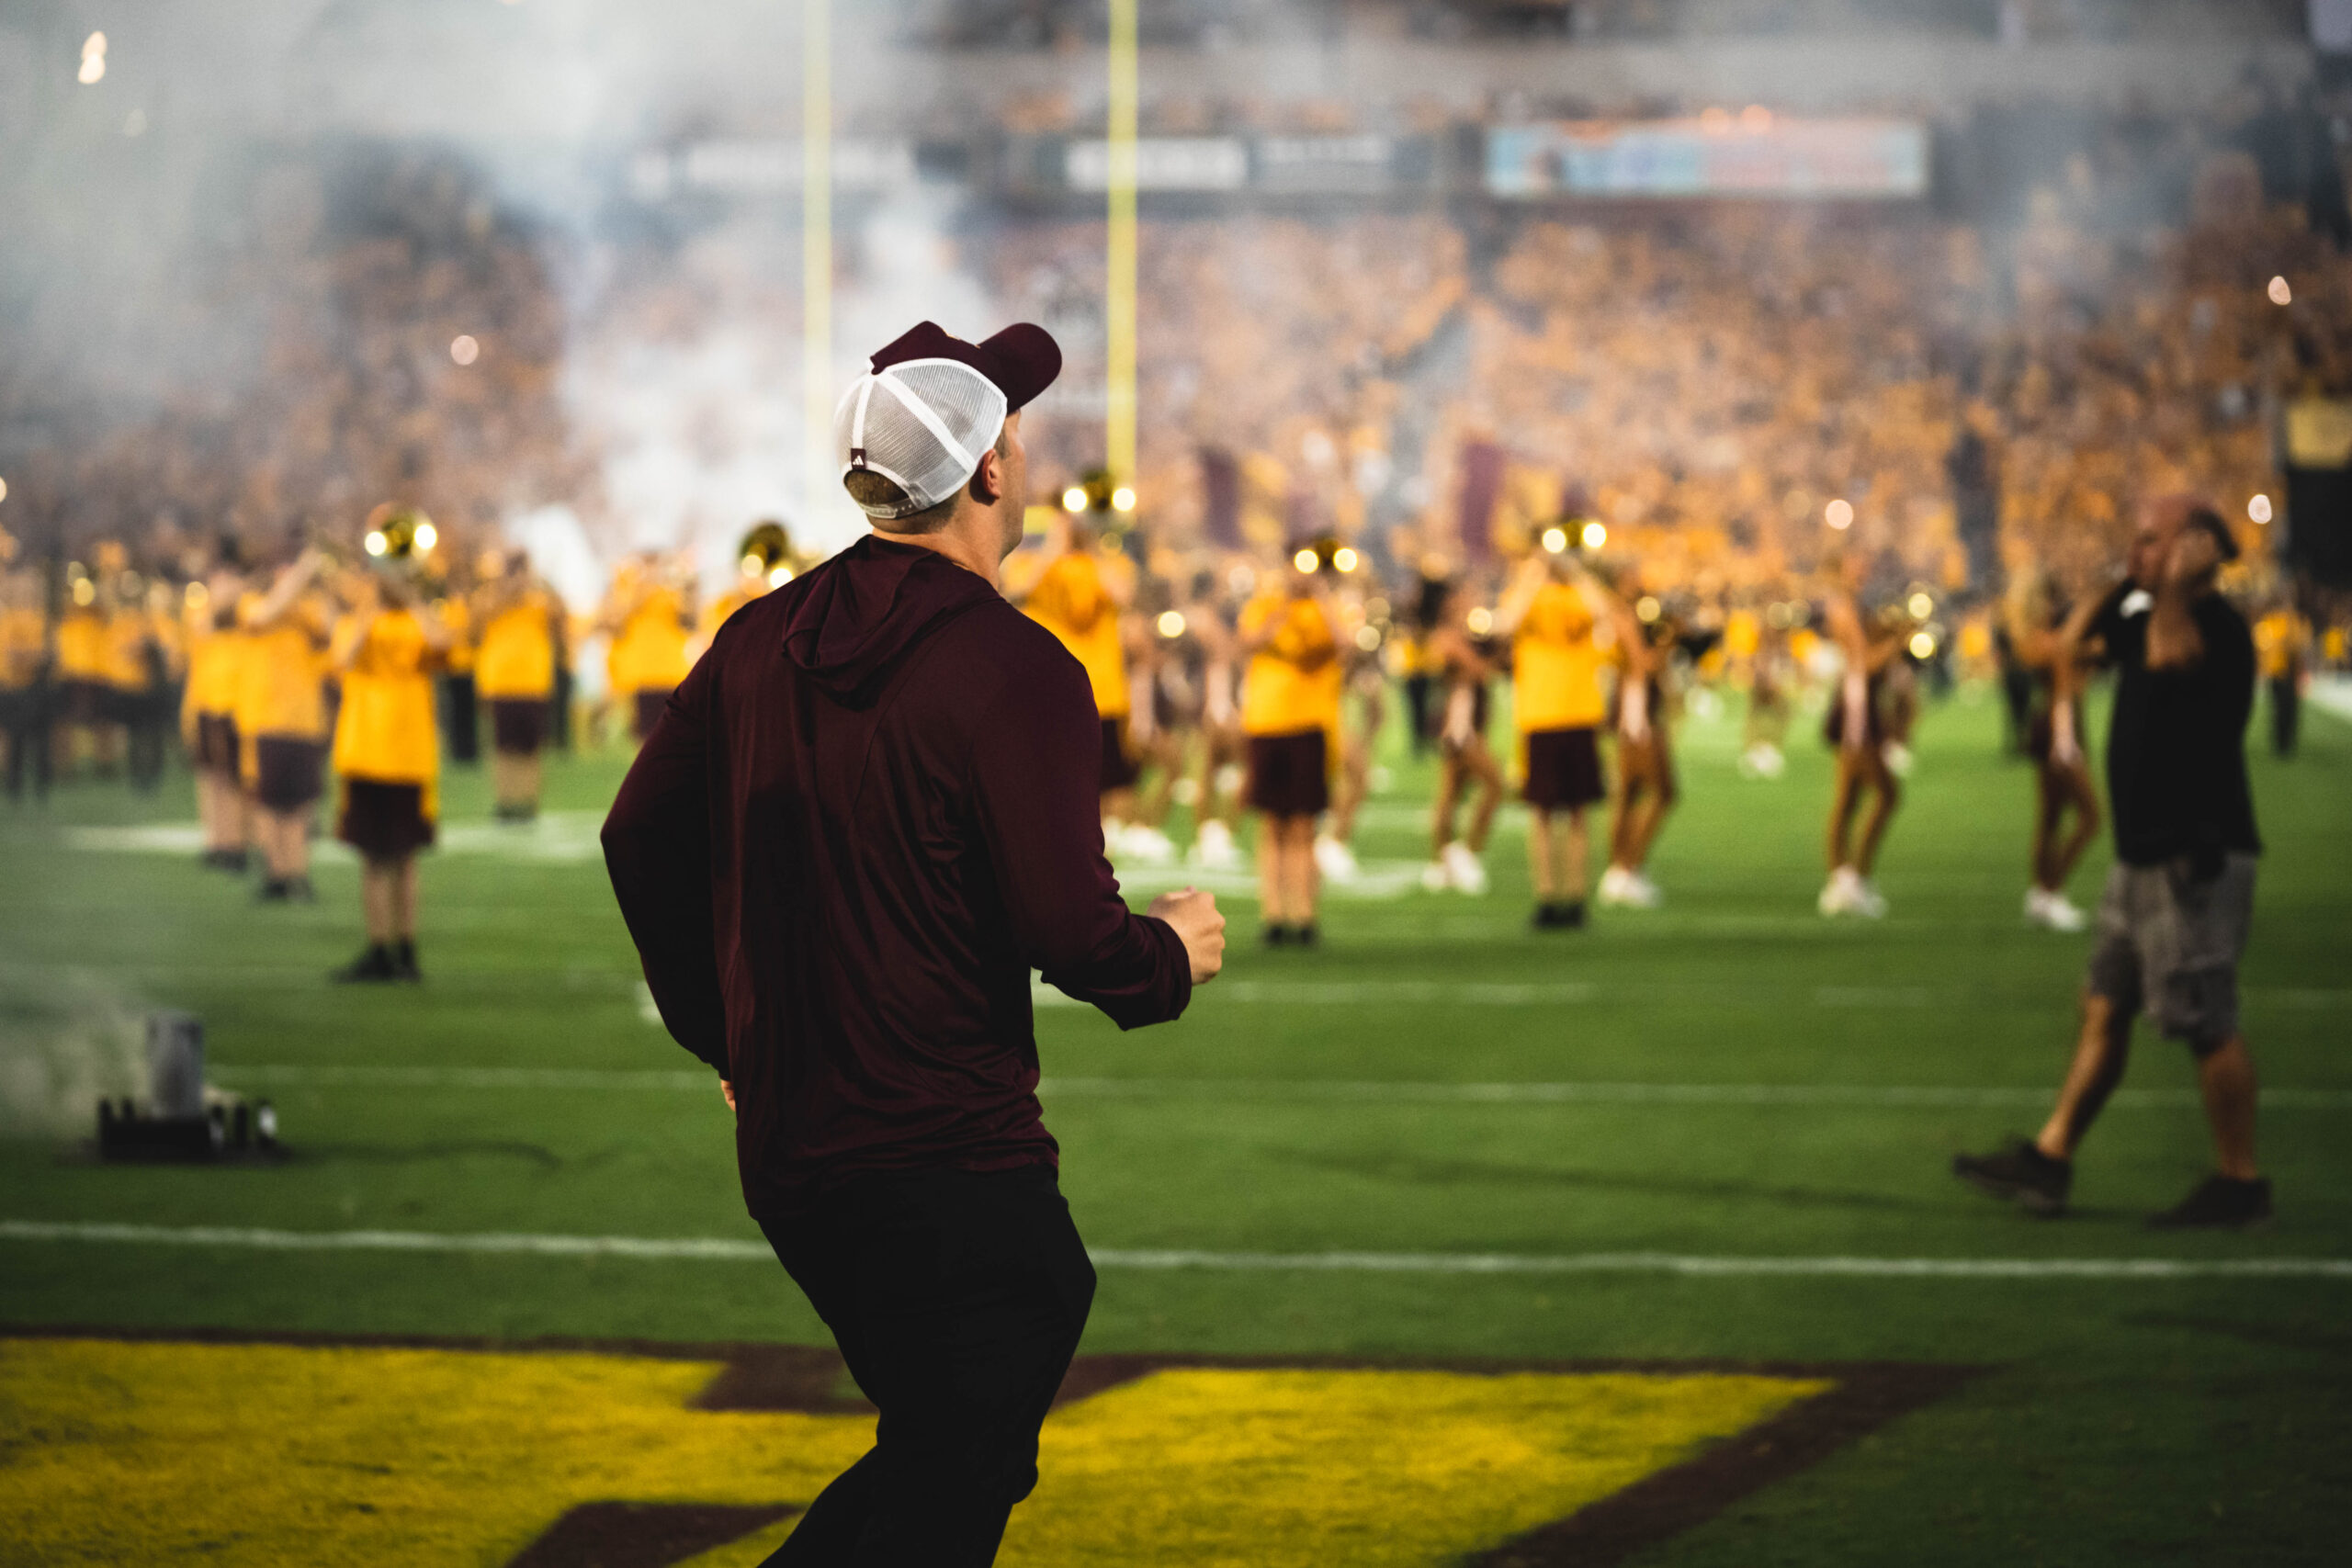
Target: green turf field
[(1528, 1146)]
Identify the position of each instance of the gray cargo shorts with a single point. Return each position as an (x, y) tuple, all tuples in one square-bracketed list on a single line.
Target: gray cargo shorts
[(2168, 946)]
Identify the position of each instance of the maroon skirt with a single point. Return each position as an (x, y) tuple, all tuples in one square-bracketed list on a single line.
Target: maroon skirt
[(1563, 769), (650, 700), (384, 821), (518, 725), (1119, 769), (1289, 775), (287, 771), (215, 743)]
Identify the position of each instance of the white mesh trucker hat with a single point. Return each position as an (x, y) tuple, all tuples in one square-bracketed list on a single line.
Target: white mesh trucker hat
[(931, 404)]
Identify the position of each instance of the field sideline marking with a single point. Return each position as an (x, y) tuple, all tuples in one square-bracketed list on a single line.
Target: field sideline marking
[(1233, 992), (725, 1249), (701, 1081)]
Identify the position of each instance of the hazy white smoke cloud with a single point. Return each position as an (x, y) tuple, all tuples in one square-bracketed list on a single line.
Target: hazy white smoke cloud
[(684, 374), (65, 1040)]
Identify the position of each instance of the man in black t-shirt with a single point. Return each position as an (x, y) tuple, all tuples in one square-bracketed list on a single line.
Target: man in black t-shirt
[(2173, 920)]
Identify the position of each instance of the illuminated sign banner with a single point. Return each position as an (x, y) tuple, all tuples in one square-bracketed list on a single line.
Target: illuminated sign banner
[(1164, 163), (1716, 157)]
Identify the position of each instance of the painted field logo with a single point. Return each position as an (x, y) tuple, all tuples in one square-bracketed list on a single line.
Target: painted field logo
[(333, 1452)]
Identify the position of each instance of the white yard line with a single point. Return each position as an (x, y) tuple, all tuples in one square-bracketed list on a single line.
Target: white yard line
[(726, 1249), (1227, 990), (570, 837), (270, 1075), (1379, 993), (2332, 694), (699, 1081)]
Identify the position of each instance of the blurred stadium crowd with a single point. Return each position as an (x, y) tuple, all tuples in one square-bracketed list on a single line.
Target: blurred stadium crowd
[(1725, 408)]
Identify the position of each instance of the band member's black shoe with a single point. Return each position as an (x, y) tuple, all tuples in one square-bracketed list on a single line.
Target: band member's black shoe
[(2219, 1202), (276, 890), (2022, 1174), (1275, 936), (404, 961), (372, 967), (1305, 935)]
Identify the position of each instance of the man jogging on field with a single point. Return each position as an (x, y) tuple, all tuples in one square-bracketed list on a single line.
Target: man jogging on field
[(2172, 920), (861, 821)]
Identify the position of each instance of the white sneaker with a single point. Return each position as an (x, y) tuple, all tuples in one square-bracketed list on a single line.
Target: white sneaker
[(1866, 902), (1335, 860), (1146, 844), (2037, 905), (1898, 759), (1641, 893), (1463, 870), (1213, 848), (1841, 892), (1762, 761), (1614, 888), (2060, 913), (1434, 878)]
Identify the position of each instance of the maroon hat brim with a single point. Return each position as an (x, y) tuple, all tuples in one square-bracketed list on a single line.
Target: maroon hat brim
[(1021, 360)]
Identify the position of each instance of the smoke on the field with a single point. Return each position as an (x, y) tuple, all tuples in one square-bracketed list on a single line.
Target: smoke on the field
[(66, 1040), (243, 247)]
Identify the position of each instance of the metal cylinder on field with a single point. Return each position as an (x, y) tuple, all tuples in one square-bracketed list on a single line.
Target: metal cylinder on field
[(176, 1064)]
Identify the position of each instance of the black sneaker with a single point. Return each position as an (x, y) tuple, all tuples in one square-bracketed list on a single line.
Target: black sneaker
[(276, 890), (2022, 1173), (1546, 918), (372, 968), (404, 961), (1572, 916), (1305, 935), (1275, 936), (2219, 1202)]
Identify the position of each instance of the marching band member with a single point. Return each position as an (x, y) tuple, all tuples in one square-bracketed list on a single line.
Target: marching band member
[(281, 717), (387, 751), (518, 617)]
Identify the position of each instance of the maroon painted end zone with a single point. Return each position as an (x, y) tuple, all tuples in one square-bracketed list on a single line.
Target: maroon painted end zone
[(643, 1534), (1864, 1396), (1664, 1504)]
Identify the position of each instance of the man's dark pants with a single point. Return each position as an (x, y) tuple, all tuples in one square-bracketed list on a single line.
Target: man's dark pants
[(25, 715), (958, 1298), (2286, 702)]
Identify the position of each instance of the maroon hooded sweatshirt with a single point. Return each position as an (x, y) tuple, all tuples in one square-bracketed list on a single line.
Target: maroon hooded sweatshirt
[(864, 818)]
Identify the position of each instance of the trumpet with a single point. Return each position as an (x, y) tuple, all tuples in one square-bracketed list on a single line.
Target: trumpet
[(400, 535), (767, 553)]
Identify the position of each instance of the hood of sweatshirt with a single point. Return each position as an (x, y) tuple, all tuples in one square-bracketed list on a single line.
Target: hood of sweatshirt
[(858, 613)]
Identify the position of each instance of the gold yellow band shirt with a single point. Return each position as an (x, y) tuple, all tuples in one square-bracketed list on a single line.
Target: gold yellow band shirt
[(1556, 664), (82, 645), (650, 653), (1294, 683), (515, 658), (1072, 600), (23, 639), (281, 677), (385, 730)]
